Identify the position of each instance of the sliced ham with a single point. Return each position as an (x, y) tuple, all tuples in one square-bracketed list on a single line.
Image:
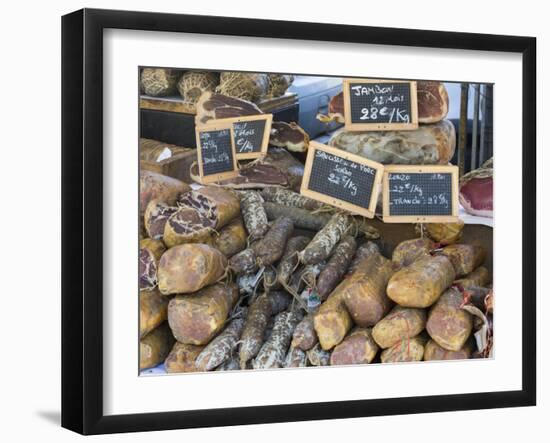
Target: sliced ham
[(476, 192), (215, 106), (277, 168), (289, 136)]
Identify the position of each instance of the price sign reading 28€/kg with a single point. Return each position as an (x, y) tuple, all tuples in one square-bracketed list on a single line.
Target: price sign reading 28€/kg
[(379, 105), (216, 153), (341, 179), (420, 194)]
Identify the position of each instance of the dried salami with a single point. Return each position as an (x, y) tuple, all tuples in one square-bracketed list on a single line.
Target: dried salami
[(270, 248), (254, 328), (326, 239), (273, 352), (336, 267), (254, 215), (221, 348)]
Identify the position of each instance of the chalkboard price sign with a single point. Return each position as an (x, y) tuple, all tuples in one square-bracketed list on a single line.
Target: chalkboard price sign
[(340, 179), (379, 105), (420, 194), (250, 134), (216, 152)]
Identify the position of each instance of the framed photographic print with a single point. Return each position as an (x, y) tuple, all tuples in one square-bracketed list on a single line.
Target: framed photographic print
[(346, 265)]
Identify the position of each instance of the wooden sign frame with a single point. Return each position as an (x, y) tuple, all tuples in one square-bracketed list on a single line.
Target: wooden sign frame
[(416, 169), (204, 179), (350, 126), (265, 141), (304, 190)]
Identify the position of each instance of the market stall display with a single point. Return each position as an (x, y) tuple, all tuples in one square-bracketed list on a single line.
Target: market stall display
[(288, 263)]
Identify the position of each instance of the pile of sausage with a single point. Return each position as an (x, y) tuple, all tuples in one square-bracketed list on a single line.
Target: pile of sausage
[(272, 279)]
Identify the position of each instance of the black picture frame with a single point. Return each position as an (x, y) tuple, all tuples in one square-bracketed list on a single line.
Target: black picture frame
[(82, 218)]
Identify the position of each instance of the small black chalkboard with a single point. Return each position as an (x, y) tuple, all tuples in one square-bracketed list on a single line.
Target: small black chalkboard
[(251, 135), (216, 153), (380, 105), (341, 179), (420, 194)]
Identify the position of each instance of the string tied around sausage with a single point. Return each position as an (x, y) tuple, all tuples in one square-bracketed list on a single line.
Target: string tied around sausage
[(401, 316)]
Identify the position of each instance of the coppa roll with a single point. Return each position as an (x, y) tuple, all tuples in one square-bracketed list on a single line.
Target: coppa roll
[(188, 268), (443, 233), (420, 284), (357, 348), (364, 292), (465, 258), (154, 186), (186, 225), (409, 349), (401, 323), (479, 277), (432, 351), (156, 215), (406, 252), (232, 238), (219, 205), (448, 324), (150, 252), (332, 321), (196, 318), (152, 310), (155, 346), (182, 358)]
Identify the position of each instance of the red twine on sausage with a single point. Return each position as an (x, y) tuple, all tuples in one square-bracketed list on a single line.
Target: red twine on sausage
[(466, 295), (400, 315)]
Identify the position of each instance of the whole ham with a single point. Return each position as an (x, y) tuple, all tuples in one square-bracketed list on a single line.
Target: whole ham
[(432, 144)]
